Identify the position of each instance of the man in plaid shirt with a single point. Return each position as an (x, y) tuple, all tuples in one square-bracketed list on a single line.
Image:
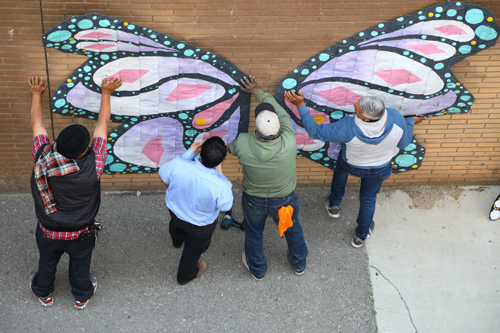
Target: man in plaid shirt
[(65, 185)]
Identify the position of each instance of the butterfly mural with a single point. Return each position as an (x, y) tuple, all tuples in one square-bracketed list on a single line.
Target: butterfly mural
[(406, 62), (173, 94)]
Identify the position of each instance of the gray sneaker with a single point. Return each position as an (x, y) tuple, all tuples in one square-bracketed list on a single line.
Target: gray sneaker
[(358, 242), (333, 211), (244, 259)]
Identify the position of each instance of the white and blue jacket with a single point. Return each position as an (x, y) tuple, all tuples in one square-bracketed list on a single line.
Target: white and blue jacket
[(364, 144)]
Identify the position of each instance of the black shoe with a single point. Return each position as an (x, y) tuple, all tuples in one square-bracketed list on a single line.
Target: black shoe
[(333, 211), (358, 242)]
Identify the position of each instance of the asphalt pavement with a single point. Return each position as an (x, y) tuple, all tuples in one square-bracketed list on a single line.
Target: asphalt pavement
[(430, 269)]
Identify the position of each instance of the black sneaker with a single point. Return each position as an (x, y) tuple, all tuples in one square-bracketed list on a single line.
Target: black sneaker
[(358, 242), (333, 211)]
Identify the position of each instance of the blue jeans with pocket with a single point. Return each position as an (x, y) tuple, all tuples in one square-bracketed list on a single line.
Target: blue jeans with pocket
[(371, 181), (255, 211)]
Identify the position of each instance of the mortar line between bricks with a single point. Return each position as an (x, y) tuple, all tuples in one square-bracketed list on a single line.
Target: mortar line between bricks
[(400, 296)]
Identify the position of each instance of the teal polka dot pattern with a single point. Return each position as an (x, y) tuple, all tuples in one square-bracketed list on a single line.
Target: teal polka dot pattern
[(422, 47)]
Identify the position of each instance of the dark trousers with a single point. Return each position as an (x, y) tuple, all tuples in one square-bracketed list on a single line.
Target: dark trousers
[(196, 241), (80, 255)]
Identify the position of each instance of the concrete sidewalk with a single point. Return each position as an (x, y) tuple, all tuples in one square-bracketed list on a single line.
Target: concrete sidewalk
[(434, 260), (429, 269)]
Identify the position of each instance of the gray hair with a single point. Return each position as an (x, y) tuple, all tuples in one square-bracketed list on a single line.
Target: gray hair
[(373, 107), (267, 138)]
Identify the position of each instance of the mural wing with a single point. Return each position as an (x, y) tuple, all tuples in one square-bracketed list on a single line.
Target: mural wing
[(406, 62), (173, 94)]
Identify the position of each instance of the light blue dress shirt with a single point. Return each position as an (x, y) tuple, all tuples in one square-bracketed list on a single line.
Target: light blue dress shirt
[(195, 194)]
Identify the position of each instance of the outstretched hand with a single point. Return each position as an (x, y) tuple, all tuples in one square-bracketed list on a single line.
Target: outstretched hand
[(109, 86), (196, 147), (249, 85), (295, 99), (37, 85), (419, 119)]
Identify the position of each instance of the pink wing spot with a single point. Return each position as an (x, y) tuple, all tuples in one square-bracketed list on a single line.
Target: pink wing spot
[(100, 46), (206, 118), (185, 91), (397, 76), (428, 48), (341, 96), (208, 135), (303, 139), (320, 117), (129, 75), (153, 150), (451, 29), (96, 35)]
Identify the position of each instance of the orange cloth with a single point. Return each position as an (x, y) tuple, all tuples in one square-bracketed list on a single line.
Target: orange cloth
[(285, 215)]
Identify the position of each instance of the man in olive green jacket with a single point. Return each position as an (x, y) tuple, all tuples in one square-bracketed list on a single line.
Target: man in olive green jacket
[(268, 156)]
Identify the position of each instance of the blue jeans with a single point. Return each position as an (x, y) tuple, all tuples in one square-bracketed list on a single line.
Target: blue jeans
[(255, 211), (371, 181)]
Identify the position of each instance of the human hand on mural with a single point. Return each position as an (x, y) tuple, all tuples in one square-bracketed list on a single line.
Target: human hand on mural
[(249, 85), (109, 86), (295, 99), (195, 147), (419, 119), (37, 85)]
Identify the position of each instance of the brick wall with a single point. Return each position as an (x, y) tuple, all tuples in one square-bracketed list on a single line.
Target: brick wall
[(266, 38)]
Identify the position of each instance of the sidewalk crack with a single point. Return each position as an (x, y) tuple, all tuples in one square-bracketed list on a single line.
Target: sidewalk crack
[(400, 296)]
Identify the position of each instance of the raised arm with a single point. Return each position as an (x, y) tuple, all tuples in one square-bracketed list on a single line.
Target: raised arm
[(250, 85), (108, 87), (408, 134), (37, 88)]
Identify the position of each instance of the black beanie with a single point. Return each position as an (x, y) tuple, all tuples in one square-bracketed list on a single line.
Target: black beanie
[(73, 141)]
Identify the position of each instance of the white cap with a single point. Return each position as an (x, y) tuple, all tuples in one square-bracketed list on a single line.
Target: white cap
[(267, 123)]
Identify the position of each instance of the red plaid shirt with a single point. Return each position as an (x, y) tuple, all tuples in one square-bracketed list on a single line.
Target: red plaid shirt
[(99, 148)]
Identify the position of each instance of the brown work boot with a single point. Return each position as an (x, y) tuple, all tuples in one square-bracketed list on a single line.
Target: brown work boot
[(202, 266)]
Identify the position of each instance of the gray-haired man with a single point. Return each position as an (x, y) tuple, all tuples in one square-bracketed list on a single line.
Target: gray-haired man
[(369, 140)]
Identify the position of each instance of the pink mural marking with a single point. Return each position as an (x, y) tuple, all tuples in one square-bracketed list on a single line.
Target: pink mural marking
[(129, 75), (341, 96), (153, 150), (100, 46), (397, 76), (96, 35), (317, 115), (451, 29), (303, 139), (208, 135), (428, 48), (185, 91), (206, 118)]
